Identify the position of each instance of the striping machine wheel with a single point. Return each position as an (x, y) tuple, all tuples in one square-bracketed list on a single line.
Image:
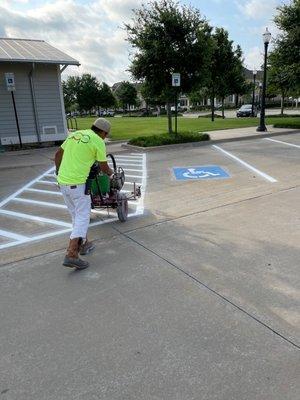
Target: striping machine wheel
[(122, 207)]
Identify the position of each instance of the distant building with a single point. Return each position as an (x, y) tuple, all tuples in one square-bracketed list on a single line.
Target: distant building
[(35, 69)]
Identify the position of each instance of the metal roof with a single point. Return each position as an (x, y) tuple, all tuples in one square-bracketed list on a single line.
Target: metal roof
[(27, 50)]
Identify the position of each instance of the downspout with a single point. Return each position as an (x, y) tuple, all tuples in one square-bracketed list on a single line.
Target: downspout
[(35, 113), (63, 111)]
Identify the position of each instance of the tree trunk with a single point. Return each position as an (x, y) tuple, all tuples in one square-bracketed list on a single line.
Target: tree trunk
[(169, 114), (236, 101), (282, 104), (212, 105), (223, 115)]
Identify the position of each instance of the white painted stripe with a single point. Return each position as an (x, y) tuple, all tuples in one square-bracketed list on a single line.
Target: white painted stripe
[(124, 165), (129, 183), (257, 171), (104, 211), (128, 160), (57, 233), (286, 143), (138, 204), (51, 175), (12, 235), (133, 170), (140, 208), (35, 218), (24, 187), (46, 182), (134, 176), (40, 203), (134, 202), (133, 157), (43, 191)]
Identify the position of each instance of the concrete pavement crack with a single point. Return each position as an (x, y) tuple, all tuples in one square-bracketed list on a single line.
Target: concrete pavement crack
[(211, 290), (210, 209)]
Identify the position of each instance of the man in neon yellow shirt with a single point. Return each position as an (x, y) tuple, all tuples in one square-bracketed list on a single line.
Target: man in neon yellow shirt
[(73, 162)]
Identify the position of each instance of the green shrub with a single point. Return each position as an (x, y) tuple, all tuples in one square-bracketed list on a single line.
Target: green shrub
[(160, 140), (288, 124)]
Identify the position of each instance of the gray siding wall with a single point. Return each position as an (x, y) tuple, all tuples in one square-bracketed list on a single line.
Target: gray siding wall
[(48, 101)]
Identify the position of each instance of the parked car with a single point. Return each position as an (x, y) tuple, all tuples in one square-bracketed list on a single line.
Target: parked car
[(246, 111), (106, 113)]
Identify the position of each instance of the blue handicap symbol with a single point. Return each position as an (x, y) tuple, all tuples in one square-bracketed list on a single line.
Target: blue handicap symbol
[(200, 172)]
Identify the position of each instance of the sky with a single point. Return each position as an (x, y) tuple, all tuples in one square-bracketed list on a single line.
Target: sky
[(92, 31)]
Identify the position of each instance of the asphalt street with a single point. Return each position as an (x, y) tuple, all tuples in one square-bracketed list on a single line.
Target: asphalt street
[(195, 297)]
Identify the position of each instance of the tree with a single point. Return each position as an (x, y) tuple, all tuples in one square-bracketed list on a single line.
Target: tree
[(87, 92), (70, 91), (226, 69), (169, 38), (279, 78), (286, 55), (105, 97), (126, 94)]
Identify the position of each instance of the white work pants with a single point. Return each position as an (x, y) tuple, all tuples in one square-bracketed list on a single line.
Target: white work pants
[(79, 206)]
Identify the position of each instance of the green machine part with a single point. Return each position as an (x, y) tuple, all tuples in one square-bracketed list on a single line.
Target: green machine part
[(101, 182)]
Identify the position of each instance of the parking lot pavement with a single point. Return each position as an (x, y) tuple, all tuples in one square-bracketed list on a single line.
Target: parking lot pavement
[(132, 327), (196, 299), (41, 203)]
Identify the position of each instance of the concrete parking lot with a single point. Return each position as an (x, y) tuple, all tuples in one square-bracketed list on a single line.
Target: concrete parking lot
[(195, 297)]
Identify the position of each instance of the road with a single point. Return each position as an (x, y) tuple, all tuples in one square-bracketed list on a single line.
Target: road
[(232, 113)]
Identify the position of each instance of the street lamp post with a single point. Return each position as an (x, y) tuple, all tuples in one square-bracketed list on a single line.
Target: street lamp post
[(253, 94), (262, 125)]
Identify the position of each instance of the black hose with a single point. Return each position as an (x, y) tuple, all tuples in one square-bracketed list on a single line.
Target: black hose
[(113, 161)]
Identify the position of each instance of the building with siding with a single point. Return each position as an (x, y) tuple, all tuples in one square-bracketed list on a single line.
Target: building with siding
[(35, 68)]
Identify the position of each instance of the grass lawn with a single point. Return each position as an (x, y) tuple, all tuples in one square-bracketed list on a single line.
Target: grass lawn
[(127, 127)]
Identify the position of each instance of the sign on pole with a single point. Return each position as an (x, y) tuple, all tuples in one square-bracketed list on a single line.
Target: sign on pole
[(10, 81), (176, 79)]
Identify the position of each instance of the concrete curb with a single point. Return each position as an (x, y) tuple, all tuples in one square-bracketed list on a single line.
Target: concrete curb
[(207, 142)]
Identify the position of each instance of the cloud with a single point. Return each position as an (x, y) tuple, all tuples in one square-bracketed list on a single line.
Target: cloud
[(258, 9), (88, 32), (254, 58)]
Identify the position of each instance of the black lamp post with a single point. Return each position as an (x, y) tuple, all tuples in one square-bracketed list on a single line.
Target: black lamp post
[(262, 125), (253, 94)]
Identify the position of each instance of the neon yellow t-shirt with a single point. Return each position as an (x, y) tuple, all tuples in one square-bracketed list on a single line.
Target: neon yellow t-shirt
[(81, 150)]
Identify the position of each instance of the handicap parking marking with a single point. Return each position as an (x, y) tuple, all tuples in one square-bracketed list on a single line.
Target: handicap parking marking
[(137, 207), (245, 164), (200, 173)]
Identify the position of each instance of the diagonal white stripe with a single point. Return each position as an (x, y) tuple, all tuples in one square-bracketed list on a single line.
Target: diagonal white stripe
[(257, 171), (12, 235), (286, 143), (35, 218)]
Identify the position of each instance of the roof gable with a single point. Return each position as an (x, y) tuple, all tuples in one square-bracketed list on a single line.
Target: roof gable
[(26, 50)]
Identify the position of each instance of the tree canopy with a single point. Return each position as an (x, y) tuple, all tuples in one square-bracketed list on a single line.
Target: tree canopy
[(168, 38), (126, 93), (285, 58)]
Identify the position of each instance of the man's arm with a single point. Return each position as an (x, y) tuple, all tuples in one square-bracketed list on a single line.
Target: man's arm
[(58, 157), (105, 168)]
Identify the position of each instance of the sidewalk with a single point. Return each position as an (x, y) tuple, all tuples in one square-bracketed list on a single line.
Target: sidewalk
[(247, 133), (221, 136)]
